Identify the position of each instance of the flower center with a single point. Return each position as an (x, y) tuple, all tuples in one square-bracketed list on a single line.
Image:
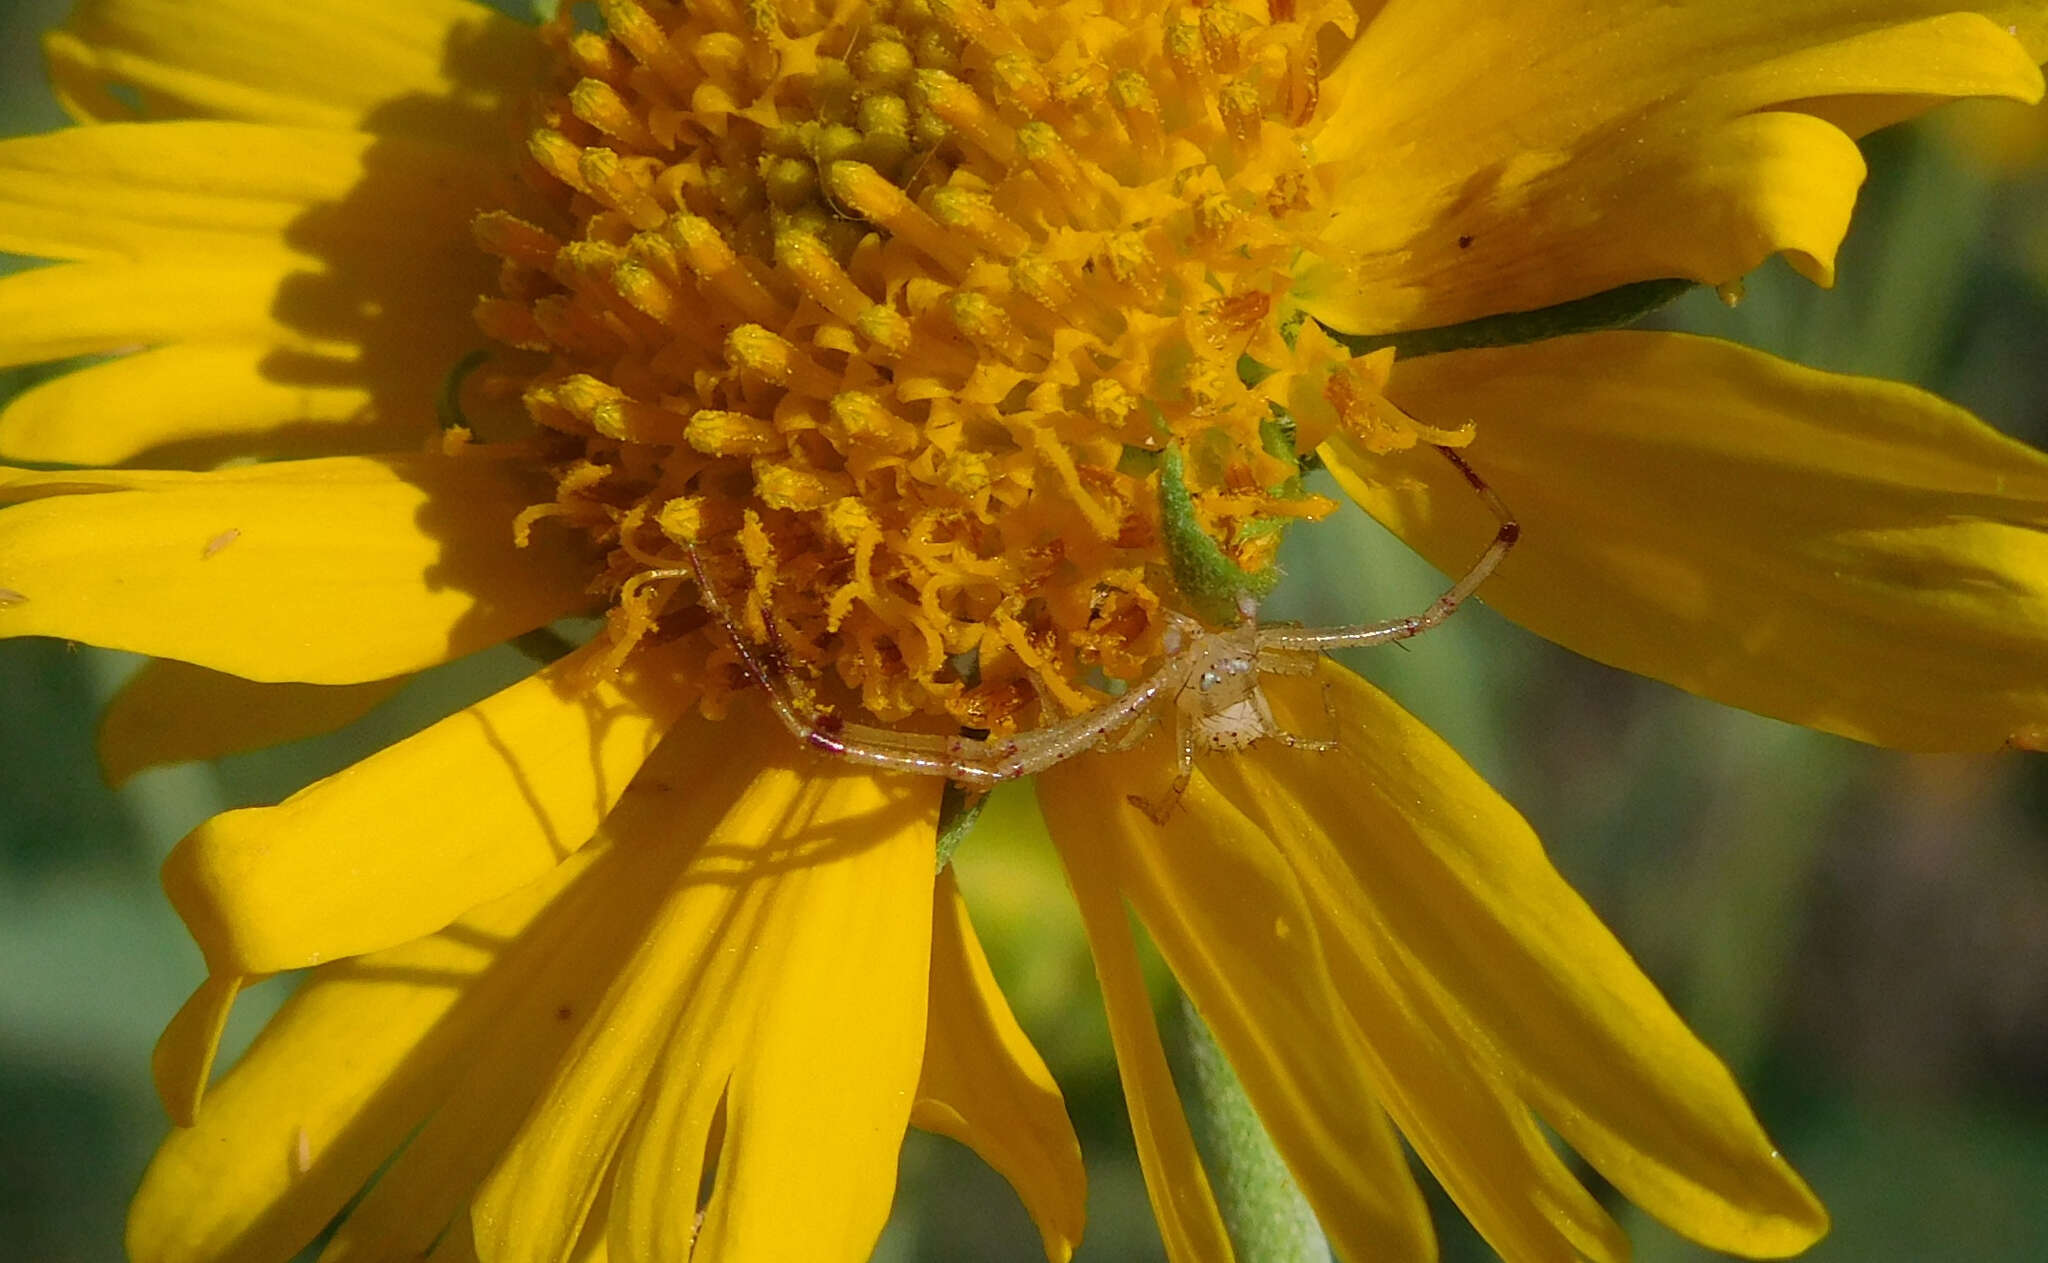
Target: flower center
[(930, 328)]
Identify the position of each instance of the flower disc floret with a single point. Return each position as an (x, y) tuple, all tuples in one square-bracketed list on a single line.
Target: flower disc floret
[(887, 314)]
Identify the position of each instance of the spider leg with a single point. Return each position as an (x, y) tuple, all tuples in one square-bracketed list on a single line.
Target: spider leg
[(1325, 639), (1321, 745), (1139, 729), (858, 743), (1161, 811), (975, 762), (1283, 660)]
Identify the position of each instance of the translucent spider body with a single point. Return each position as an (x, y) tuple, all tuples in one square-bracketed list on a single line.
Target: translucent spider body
[(1211, 677)]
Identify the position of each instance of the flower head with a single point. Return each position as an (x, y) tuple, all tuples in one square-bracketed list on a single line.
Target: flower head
[(888, 314), (928, 366)]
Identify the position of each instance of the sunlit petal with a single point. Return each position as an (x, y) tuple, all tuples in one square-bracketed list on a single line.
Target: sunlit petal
[(1631, 141), (1182, 1201), (1231, 919), (984, 1085), (519, 781), (1845, 553), (446, 69), (327, 571)]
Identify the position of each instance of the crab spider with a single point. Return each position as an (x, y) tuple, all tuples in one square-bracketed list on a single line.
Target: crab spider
[(1210, 677)]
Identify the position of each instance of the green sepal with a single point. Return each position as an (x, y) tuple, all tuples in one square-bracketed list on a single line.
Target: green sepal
[(959, 808), (1209, 581), (1609, 309), (543, 645), (1276, 435), (448, 404)]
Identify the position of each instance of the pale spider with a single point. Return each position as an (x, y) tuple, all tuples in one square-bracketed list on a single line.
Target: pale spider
[(1212, 678)]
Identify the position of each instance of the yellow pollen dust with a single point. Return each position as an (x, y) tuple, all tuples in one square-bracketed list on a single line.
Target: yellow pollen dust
[(887, 310)]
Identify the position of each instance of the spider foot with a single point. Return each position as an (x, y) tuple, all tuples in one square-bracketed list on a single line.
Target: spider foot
[(1161, 811)]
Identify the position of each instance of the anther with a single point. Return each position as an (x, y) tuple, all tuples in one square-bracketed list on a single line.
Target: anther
[(1138, 107), (586, 266), (860, 188), (1242, 109), (863, 419), (755, 350), (962, 108), (646, 291), (632, 26), (558, 156), (1222, 29), (719, 433), (978, 24), (513, 239), (976, 215), (512, 323), (1045, 283), (1020, 83), (600, 105), (722, 56), (607, 410), (1061, 170), (799, 490), (715, 264), (818, 274), (625, 187), (1187, 52), (983, 321), (885, 327), (596, 57), (762, 17)]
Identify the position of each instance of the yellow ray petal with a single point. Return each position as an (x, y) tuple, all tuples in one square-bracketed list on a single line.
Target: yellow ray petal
[(362, 1051), (1516, 964), (441, 69), (1849, 554), (1447, 1098), (150, 721), (984, 1085), (711, 961), (50, 313), (822, 1095), (662, 821), (1182, 1201), (1633, 140), (191, 405), (322, 571), (183, 1058), (700, 951), (413, 836), (220, 189), (1235, 926), (458, 1245)]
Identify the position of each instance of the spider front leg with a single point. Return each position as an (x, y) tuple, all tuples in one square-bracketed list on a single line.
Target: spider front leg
[(974, 762), (1327, 639), (1320, 745), (1131, 737)]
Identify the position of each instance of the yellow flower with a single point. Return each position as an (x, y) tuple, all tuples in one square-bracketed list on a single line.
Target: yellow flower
[(863, 351)]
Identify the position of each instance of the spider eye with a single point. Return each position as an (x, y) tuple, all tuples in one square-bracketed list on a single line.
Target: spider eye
[(1210, 679)]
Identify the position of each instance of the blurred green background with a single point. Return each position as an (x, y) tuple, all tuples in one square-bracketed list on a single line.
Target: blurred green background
[(1862, 934)]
